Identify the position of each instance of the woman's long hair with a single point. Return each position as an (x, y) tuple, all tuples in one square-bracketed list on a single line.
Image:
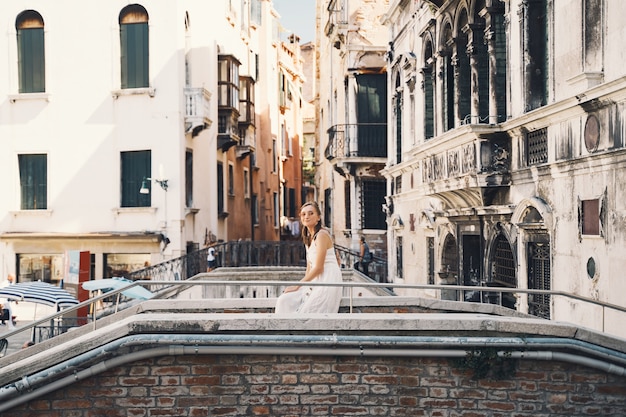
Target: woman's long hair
[(306, 236)]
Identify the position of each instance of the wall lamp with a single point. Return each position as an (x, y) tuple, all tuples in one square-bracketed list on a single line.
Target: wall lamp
[(144, 185)]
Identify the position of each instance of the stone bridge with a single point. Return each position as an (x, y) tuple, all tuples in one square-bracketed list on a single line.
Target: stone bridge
[(189, 355)]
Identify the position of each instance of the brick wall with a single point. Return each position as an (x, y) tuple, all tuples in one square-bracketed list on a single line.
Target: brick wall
[(247, 385)]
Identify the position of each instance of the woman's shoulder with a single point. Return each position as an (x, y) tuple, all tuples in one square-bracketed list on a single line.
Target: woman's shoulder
[(324, 234)]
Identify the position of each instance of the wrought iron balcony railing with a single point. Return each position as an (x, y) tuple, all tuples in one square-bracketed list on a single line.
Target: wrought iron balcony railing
[(361, 140)]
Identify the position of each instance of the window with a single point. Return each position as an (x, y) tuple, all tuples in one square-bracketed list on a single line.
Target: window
[(189, 178), (537, 146), (48, 268), (399, 260), (30, 52), (372, 200), (429, 96), (134, 45), (122, 264), (276, 211), (255, 209), (430, 246), (372, 115), (283, 87), (348, 204), (327, 207), (34, 181), (274, 162), (246, 100), (590, 217), (398, 112), (291, 203), (504, 265), (246, 183), (255, 12), (136, 167), (220, 188), (231, 179), (536, 53), (228, 81)]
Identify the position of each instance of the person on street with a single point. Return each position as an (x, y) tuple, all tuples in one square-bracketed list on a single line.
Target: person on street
[(210, 258), (7, 311), (365, 257)]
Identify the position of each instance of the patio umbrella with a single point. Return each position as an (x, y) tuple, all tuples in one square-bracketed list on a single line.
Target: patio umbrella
[(115, 283), (40, 293)]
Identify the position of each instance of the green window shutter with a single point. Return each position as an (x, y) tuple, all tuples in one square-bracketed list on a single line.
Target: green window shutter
[(134, 55), (33, 181), (136, 166), (31, 60)]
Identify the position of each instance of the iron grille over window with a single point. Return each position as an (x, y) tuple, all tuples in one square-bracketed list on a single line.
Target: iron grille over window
[(504, 263), (372, 200), (537, 146), (539, 278)]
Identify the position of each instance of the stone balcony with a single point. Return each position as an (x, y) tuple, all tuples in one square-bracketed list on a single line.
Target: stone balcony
[(197, 109)]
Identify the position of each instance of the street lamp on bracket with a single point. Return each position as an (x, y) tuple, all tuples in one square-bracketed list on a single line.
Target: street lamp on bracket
[(145, 189)]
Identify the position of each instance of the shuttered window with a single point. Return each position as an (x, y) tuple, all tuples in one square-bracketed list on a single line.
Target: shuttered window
[(591, 217), (33, 181), (30, 51), (135, 168), (134, 47)]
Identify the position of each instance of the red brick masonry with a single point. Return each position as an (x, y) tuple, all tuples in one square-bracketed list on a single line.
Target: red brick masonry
[(247, 385)]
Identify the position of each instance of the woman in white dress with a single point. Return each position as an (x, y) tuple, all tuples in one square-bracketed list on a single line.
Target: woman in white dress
[(321, 266)]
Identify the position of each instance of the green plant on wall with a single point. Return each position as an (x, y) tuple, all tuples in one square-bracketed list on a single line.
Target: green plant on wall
[(488, 363)]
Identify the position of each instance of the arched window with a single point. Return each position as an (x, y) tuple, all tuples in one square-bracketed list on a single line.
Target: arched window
[(30, 52), (447, 73), (463, 72), (429, 91), (398, 98), (134, 46)]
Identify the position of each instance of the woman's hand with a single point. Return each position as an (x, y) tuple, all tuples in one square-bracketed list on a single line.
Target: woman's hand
[(292, 288)]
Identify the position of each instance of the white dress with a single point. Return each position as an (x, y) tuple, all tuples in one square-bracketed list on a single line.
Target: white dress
[(315, 299)]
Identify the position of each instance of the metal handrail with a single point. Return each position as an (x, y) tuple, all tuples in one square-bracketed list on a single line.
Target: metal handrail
[(350, 285)]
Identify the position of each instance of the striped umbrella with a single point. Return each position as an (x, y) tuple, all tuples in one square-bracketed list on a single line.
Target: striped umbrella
[(40, 293)]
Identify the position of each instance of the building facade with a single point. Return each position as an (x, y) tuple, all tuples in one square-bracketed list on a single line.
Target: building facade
[(352, 120), (507, 149), (139, 132)]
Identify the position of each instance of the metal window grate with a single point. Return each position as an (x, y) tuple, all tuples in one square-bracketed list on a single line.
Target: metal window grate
[(372, 200), (537, 146), (504, 263), (539, 278)]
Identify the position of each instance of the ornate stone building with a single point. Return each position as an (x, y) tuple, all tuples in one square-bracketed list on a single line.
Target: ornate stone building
[(507, 152)]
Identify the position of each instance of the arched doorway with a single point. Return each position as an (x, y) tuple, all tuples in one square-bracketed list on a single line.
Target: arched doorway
[(533, 217), (449, 272)]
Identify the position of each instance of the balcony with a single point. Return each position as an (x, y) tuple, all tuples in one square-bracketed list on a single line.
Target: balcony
[(354, 143), (468, 174), (228, 128), (197, 110)]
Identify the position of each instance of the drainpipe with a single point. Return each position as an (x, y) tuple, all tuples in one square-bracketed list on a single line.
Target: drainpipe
[(22, 391)]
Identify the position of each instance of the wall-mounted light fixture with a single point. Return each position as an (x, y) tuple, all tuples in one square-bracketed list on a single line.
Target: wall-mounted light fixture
[(145, 185)]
